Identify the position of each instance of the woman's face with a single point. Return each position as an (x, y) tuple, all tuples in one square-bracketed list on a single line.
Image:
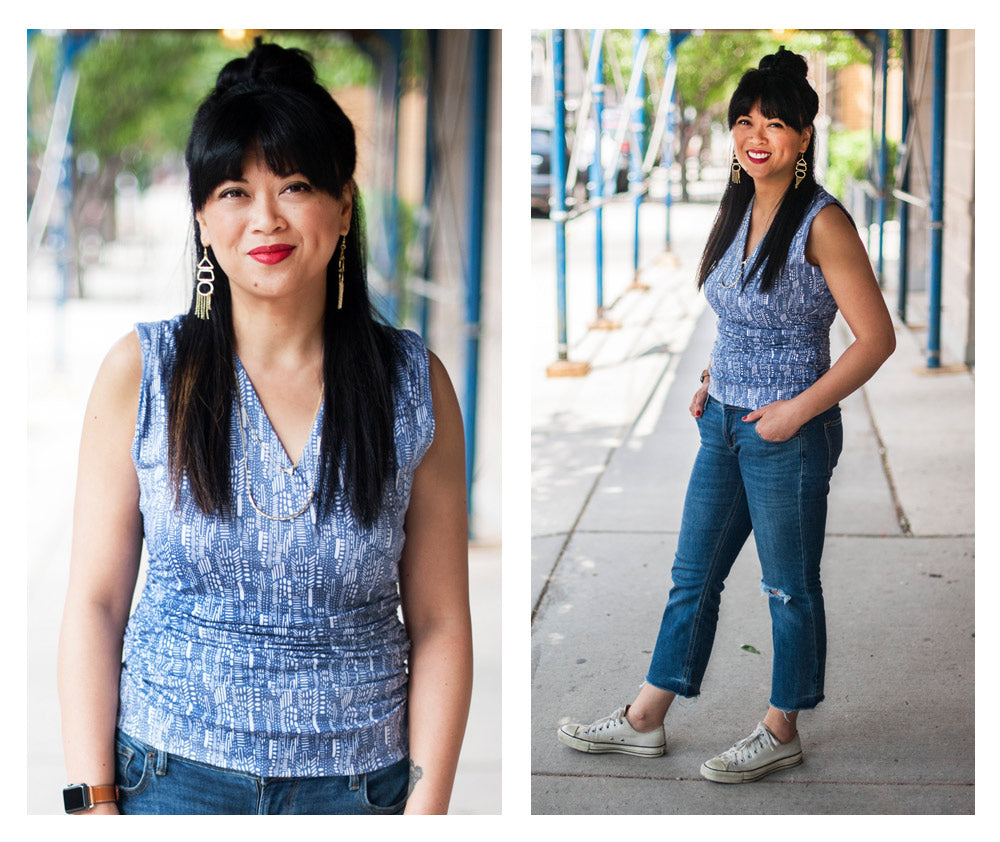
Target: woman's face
[(273, 235), (767, 148)]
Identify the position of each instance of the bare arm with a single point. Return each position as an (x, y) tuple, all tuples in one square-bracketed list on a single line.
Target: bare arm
[(434, 588), (835, 247), (104, 562)]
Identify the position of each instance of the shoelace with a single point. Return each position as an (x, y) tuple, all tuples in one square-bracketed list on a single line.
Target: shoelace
[(747, 747), (609, 721)]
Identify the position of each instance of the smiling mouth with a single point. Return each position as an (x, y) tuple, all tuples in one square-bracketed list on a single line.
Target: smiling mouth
[(758, 157), (271, 254)]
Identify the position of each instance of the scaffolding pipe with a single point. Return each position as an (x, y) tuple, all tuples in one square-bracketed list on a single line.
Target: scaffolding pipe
[(475, 190), (596, 174), (638, 127), (668, 139), (423, 312), (396, 285), (558, 199), (937, 200), (883, 162), (904, 182)]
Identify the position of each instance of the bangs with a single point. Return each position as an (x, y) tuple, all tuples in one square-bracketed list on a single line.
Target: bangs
[(776, 98), (284, 127)]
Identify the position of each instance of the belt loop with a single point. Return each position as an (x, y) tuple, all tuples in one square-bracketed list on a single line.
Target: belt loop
[(354, 784), (161, 762)]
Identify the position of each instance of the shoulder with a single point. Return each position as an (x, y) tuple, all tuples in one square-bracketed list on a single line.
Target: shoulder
[(830, 228), (115, 395), (122, 365)]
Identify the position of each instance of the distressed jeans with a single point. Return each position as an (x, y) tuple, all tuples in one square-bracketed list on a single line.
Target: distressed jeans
[(778, 490)]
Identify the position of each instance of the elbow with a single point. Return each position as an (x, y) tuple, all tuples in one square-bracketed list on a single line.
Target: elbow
[(889, 344)]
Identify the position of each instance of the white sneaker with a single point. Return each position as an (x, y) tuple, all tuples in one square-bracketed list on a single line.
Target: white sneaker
[(753, 758), (613, 735)]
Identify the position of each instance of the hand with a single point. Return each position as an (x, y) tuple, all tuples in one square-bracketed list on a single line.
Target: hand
[(777, 421), (698, 401)]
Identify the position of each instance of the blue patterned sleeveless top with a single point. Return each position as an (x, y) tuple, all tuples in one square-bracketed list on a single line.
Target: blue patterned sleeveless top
[(770, 346), (273, 647)]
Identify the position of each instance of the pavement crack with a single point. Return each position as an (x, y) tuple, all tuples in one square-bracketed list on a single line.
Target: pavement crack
[(670, 361)]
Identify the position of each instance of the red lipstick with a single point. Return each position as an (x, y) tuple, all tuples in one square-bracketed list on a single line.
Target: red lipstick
[(271, 254)]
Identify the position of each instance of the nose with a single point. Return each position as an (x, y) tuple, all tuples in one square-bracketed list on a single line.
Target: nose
[(266, 215)]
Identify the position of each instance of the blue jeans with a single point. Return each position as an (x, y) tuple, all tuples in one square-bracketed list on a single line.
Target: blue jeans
[(153, 782), (742, 483)]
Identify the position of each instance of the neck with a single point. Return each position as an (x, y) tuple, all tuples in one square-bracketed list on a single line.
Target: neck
[(278, 333), (767, 197)]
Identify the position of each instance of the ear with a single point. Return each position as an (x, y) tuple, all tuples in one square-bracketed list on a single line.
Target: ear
[(347, 207), (202, 230), (807, 134)]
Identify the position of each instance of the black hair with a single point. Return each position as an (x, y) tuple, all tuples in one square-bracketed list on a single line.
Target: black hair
[(271, 102), (779, 88)]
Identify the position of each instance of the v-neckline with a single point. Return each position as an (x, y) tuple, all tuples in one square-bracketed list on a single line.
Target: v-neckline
[(746, 237), (268, 428)]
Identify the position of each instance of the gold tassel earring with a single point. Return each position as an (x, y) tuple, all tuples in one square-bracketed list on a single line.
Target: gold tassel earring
[(801, 168), (205, 287), (340, 274), (735, 176)]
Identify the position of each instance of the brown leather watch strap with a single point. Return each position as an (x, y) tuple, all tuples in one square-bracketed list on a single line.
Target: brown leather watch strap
[(103, 793)]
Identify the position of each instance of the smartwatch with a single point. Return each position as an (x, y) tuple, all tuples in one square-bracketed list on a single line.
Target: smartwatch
[(704, 375), (78, 798)]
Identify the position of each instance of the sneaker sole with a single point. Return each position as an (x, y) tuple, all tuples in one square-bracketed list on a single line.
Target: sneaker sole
[(726, 777), (608, 748)]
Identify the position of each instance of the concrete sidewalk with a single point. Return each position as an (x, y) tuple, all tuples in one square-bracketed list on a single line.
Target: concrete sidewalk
[(611, 454)]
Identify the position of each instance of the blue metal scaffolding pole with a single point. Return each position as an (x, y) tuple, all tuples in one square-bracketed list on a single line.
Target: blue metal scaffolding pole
[(904, 182), (937, 200), (668, 141), (596, 173), (635, 175), (475, 190), (883, 160), (423, 315), (558, 213)]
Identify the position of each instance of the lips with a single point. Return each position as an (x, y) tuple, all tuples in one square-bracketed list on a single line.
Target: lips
[(271, 254), (757, 157)]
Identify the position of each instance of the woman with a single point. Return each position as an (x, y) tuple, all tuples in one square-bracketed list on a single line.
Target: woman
[(272, 447), (782, 257)]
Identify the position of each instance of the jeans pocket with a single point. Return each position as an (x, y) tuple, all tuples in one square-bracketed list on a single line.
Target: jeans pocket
[(834, 430), (385, 791), (134, 764)]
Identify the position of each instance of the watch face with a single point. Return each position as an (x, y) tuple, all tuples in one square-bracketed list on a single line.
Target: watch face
[(75, 798)]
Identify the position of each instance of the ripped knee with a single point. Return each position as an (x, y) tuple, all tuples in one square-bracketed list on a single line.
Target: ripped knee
[(774, 593)]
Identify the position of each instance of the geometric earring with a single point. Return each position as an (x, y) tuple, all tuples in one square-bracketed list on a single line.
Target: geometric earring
[(205, 287), (735, 175), (801, 168)]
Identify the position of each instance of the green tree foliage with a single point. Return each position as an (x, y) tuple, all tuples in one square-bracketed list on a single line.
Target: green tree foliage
[(138, 89)]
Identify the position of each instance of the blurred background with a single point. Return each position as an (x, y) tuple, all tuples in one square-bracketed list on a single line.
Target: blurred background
[(109, 229)]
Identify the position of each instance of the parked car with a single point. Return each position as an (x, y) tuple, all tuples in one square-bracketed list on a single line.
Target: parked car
[(541, 171), (541, 168)]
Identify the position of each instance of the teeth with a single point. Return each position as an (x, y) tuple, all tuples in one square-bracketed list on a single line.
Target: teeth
[(758, 156)]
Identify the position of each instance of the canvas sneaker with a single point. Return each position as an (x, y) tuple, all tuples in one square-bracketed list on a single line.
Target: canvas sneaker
[(613, 734), (752, 758)]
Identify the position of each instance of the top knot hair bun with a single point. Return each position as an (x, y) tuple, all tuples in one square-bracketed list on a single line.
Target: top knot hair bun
[(270, 102), (779, 87), (268, 66), (786, 63)]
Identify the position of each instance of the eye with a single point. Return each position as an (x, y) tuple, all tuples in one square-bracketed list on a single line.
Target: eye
[(231, 193), (299, 187)]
